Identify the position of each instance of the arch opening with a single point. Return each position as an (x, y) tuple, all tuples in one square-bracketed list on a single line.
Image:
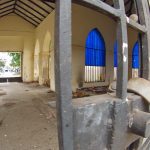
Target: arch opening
[(95, 57), (135, 60), (115, 59)]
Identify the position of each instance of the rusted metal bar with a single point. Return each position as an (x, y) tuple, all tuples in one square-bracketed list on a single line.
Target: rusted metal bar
[(63, 59), (136, 26), (143, 8), (122, 71), (99, 6)]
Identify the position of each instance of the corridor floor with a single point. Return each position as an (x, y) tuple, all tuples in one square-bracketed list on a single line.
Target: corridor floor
[(27, 121)]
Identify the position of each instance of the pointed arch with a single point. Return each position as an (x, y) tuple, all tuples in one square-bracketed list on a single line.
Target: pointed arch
[(95, 57), (135, 60), (95, 49), (115, 54), (135, 56), (115, 59), (47, 41)]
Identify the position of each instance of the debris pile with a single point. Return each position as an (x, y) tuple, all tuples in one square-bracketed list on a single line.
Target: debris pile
[(90, 91)]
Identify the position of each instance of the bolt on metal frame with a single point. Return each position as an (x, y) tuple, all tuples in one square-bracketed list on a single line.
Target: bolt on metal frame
[(63, 49)]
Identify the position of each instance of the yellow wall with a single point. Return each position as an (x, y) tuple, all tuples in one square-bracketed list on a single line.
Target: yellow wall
[(11, 43), (37, 44), (44, 50), (18, 35), (84, 20)]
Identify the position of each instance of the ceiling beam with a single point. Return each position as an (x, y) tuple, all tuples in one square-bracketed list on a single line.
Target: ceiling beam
[(25, 19), (7, 6), (6, 2), (31, 8), (53, 1), (15, 5), (28, 12), (6, 14), (6, 11), (38, 6), (99, 6), (27, 16), (48, 5)]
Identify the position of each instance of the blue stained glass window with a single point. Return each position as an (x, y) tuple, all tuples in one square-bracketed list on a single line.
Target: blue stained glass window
[(95, 49), (115, 54), (135, 56)]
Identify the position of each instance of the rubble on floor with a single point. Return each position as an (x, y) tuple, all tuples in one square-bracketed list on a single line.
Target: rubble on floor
[(90, 91)]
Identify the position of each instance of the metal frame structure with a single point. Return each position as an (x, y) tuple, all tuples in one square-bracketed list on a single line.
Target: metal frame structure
[(31, 14), (63, 60), (63, 55)]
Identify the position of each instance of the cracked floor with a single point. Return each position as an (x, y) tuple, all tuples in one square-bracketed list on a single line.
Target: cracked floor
[(27, 121)]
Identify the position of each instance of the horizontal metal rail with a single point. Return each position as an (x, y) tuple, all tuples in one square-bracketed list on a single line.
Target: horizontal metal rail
[(136, 26), (99, 6)]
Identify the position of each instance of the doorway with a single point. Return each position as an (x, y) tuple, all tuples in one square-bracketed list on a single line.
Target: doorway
[(10, 66)]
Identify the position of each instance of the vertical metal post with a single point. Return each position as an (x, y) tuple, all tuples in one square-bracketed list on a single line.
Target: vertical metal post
[(63, 60), (143, 8), (122, 71)]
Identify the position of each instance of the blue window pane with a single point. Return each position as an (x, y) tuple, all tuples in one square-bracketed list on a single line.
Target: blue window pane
[(135, 56), (95, 49), (115, 54)]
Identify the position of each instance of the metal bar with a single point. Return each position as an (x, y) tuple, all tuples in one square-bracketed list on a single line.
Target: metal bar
[(144, 19), (7, 2), (6, 11), (6, 14), (136, 26), (38, 6), (122, 71), (63, 50), (99, 6), (31, 8), (27, 16), (25, 19), (7, 6), (29, 12)]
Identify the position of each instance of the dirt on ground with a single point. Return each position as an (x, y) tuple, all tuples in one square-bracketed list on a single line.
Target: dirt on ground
[(27, 117)]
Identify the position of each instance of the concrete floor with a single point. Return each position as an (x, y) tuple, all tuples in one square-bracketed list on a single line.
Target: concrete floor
[(27, 122)]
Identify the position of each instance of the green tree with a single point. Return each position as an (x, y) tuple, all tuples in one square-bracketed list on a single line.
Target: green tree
[(2, 64), (15, 59)]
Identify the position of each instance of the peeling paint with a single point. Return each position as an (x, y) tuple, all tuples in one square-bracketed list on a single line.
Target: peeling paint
[(124, 46), (124, 58), (127, 19)]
